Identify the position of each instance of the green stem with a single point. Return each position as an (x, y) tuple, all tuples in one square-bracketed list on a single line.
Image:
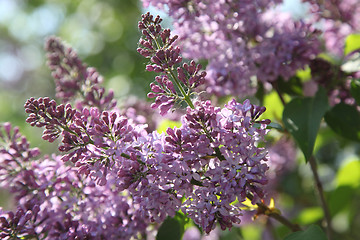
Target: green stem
[(178, 84)]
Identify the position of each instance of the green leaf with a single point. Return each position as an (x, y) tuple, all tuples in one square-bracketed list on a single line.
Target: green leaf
[(302, 117), (313, 232), (352, 43), (355, 90), (345, 121), (171, 228)]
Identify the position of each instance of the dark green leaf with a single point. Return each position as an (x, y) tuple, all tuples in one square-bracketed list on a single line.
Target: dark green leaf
[(355, 90), (313, 232), (344, 120), (171, 228), (302, 117)]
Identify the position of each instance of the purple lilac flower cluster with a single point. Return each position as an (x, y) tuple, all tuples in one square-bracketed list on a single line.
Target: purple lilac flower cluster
[(219, 147), (55, 202), (338, 19), (191, 161), (73, 79), (240, 40), (115, 179), (157, 44)]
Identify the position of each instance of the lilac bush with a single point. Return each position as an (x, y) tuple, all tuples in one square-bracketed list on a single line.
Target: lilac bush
[(115, 176)]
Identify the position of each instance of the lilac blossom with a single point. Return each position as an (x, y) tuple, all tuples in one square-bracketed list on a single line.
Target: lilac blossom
[(177, 81), (212, 159), (19, 224), (106, 145), (217, 147), (164, 92), (241, 40), (291, 47), (88, 136), (55, 201), (221, 160), (73, 79)]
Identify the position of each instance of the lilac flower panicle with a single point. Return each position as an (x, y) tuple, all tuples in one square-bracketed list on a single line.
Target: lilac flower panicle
[(73, 79), (223, 141), (157, 45), (176, 82), (292, 46), (44, 112), (18, 224), (54, 201), (164, 92), (17, 147), (190, 75)]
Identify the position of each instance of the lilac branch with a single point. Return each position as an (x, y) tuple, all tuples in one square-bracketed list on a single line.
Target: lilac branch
[(264, 209), (323, 203)]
